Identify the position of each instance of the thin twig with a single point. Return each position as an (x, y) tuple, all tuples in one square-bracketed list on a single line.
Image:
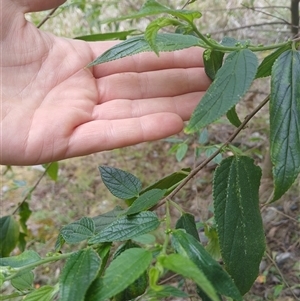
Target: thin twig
[(283, 214), (265, 13), (249, 26), (205, 162), (47, 17), (187, 3), (8, 168), (244, 7), (32, 189), (281, 275), (168, 279)]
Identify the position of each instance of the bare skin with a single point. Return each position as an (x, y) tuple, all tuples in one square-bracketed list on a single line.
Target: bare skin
[(53, 108)]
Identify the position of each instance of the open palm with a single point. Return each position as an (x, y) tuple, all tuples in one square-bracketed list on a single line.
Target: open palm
[(53, 108)]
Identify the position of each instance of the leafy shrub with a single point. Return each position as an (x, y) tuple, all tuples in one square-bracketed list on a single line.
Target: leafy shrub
[(90, 273)]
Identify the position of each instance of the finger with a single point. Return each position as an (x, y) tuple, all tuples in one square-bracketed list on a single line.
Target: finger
[(162, 83), (182, 105), (38, 5), (148, 61), (102, 135)]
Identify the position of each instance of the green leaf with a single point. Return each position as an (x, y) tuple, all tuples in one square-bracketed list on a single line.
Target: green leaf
[(127, 227), (44, 293), (266, 65), (213, 61), (78, 231), (164, 42), (121, 35), (232, 42), (23, 282), (165, 292), (79, 272), (170, 182), (151, 7), (187, 222), (209, 150), (232, 81), (9, 235), (25, 258), (154, 273), (213, 246), (153, 28), (185, 267), (145, 239), (188, 246), (52, 170), (105, 219), (229, 41), (203, 136), (181, 151), (129, 244), (233, 117), (285, 121), (146, 201), (237, 215), (120, 183), (122, 271), (59, 243), (22, 242), (24, 213), (103, 250), (139, 285)]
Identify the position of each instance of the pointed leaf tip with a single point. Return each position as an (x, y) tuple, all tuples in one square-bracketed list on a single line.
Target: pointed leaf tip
[(135, 45), (239, 224)]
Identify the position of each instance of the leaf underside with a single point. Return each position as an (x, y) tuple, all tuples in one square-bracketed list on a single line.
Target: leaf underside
[(135, 45), (232, 81), (285, 121)]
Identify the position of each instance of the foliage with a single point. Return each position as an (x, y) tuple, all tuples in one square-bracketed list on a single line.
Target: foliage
[(90, 272)]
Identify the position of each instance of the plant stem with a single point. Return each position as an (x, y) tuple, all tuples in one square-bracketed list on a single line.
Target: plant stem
[(168, 227), (32, 188), (205, 162), (33, 265), (217, 46), (47, 17), (174, 204), (280, 273), (246, 26), (11, 296)]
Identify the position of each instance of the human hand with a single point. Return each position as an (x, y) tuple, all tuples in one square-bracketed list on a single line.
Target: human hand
[(53, 108)]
